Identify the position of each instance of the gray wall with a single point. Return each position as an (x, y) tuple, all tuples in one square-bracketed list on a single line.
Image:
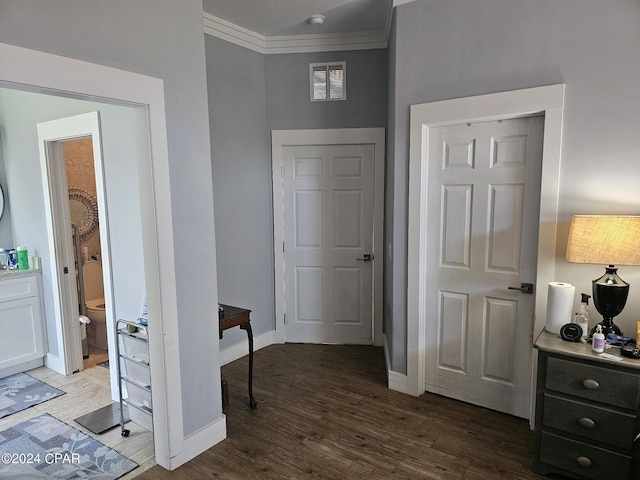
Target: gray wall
[(395, 292), (288, 104), (241, 163), (458, 48), (251, 94), (163, 39)]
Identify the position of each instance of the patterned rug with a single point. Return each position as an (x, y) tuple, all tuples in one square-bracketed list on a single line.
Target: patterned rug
[(45, 447), (19, 392)]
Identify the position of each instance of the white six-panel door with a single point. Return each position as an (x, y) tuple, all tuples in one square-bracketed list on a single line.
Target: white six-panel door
[(328, 233), (484, 184)]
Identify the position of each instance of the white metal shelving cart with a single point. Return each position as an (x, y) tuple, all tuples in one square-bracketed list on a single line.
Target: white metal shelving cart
[(134, 380)]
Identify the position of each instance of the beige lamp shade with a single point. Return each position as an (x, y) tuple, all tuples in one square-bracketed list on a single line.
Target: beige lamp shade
[(604, 240)]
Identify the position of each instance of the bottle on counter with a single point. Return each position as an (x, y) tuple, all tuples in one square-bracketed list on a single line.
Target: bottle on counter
[(23, 258), (582, 316), (12, 262), (597, 344), (3, 259)]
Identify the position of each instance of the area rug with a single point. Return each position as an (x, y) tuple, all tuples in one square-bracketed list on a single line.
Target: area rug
[(45, 447), (20, 391)]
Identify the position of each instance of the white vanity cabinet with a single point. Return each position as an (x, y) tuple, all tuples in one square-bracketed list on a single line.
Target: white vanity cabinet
[(21, 321)]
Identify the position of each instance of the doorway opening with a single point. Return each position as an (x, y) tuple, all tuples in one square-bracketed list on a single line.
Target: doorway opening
[(141, 99), (77, 223), (85, 222)]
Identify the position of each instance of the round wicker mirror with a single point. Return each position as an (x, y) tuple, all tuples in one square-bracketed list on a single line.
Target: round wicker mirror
[(83, 208)]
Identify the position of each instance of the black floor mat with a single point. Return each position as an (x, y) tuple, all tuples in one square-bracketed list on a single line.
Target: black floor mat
[(103, 419)]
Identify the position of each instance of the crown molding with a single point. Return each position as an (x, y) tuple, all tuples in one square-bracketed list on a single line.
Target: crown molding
[(220, 28)]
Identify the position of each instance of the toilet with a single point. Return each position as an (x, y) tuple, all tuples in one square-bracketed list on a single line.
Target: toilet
[(94, 301)]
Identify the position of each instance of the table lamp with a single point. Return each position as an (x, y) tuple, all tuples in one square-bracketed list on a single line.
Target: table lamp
[(606, 240)]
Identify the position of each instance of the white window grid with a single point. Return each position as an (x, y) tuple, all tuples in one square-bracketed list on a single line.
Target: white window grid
[(328, 81)]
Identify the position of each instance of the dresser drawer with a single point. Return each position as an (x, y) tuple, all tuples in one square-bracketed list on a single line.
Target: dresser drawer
[(612, 387), (589, 421), (582, 459)]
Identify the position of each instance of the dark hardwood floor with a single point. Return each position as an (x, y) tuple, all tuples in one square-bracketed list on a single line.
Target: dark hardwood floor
[(324, 412)]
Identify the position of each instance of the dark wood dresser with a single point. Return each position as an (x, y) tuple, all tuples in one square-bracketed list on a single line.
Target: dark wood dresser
[(587, 412)]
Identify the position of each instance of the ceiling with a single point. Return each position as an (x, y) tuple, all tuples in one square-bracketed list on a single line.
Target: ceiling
[(282, 26)]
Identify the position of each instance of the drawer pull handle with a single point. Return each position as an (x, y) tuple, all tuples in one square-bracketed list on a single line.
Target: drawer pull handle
[(583, 461), (590, 384), (587, 423)]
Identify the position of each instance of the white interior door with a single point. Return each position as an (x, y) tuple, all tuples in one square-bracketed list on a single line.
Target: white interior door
[(328, 232), (483, 214)]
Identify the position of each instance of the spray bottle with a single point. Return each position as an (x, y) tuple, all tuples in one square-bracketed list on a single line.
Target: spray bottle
[(582, 316)]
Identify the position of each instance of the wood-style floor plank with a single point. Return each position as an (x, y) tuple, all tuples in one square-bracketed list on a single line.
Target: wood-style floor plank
[(324, 412)]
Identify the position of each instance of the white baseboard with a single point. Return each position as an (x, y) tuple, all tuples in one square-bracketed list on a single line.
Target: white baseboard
[(395, 381), (214, 433), (23, 367), (239, 350), (398, 382), (196, 443), (55, 363)]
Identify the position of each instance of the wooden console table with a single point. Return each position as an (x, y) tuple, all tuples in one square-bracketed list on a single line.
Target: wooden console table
[(231, 317)]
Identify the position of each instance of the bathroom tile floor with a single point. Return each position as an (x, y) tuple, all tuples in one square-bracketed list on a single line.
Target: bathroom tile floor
[(87, 391), (95, 357)]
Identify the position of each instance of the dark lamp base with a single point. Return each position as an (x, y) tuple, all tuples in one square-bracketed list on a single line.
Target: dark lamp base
[(607, 327), (610, 294)]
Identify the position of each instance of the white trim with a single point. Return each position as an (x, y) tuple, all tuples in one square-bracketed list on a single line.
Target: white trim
[(54, 181), (225, 30), (326, 43), (220, 28), (398, 382), (282, 138), (239, 350), (31, 70), (548, 100), (21, 367), (196, 443)]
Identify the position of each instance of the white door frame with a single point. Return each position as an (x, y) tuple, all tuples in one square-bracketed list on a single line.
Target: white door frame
[(51, 135), (548, 100), (31, 70), (284, 138)]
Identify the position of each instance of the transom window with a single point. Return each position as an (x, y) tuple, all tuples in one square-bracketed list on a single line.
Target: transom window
[(328, 81)]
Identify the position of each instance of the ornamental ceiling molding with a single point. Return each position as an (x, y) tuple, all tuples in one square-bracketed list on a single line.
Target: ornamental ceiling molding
[(220, 28)]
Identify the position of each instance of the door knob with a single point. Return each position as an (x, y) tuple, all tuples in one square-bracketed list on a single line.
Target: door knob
[(524, 288), (367, 257)]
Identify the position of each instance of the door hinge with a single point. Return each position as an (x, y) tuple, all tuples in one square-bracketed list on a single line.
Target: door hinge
[(282, 171), (65, 270), (285, 318)]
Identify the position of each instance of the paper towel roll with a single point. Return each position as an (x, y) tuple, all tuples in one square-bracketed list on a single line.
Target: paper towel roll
[(559, 305)]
